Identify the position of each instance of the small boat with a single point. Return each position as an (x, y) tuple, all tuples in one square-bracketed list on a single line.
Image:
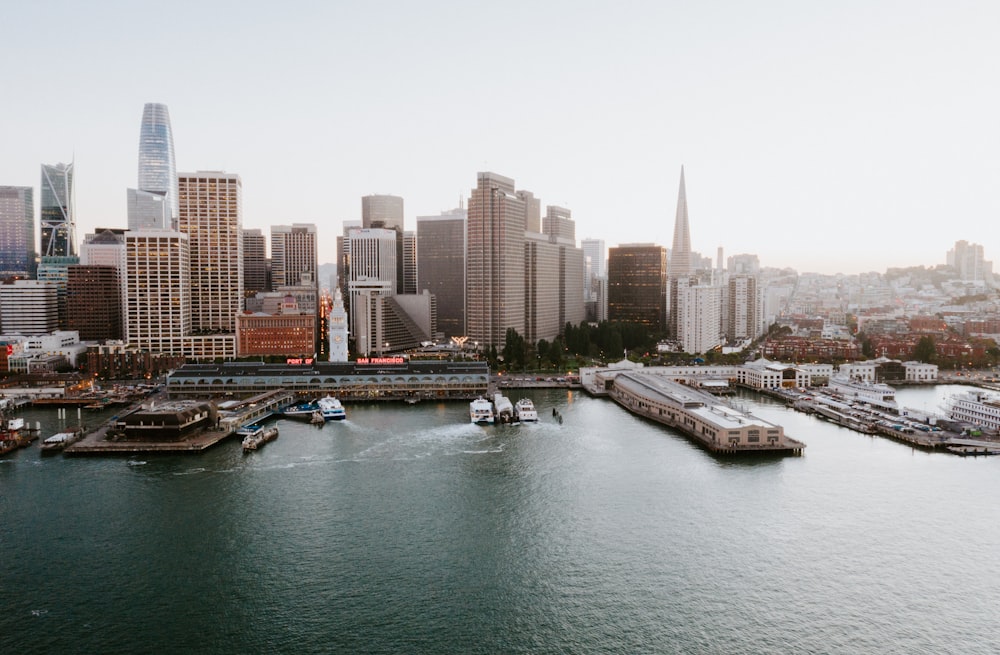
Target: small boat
[(481, 411), (331, 409), (524, 409), (255, 437), (504, 410), (317, 417)]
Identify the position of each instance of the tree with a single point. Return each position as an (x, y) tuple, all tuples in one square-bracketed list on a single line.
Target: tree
[(925, 350)]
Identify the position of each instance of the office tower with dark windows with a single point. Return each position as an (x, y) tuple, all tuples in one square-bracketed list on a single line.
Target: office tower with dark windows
[(386, 212), (495, 238), (293, 254), (210, 212), (57, 211), (254, 262), (441, 267), (94, 302), (17, 232), (157, 168), (637, 280)]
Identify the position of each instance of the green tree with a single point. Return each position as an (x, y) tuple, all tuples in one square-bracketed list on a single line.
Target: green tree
[(925, 350)]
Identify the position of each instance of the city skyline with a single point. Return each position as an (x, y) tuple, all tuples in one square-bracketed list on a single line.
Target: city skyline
[(864, 124)]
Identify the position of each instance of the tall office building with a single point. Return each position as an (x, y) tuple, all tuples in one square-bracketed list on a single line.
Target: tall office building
[(409, 262), (372, 273), (386, 212), (210, 212), (541, 288), (94, 302), (532, 211), (147, 210), (743, 318), (495, 238), (17, 232), (254, 262), (58, 214), (441, 267), (558, 223), (681, 265), (157, 167), (637, 280), (29, 307), (158, 290), (593, 249), (293, 253), (698, 315)]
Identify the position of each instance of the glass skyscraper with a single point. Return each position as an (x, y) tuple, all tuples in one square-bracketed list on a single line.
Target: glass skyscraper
[(157, 166), (17, 231), (58, 215)]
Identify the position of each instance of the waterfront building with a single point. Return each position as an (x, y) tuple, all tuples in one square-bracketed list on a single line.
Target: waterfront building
[(157, 166), (147, 210), (172, 421), (45, 353), (29, 307), (637, 280), (58, 212), (495, 238), (158, 288), (293, 253), (977, 408), (94, 302), (441, 267), (17, 232), (337, 328), (254, 262), (290, 333), (366, 378), (210, 212)]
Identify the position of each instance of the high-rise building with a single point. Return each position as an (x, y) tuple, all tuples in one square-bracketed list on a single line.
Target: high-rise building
[(594, 279), (147, 210), (293, 253), (532, 211), (441, 267), (495, 237), (372, 273), (743, 318), (409, 262), (29, 307), (593, 249), (970, 263), (58, 214), (637, 280), (157, 166), (94, 302), (210, 212), (698, 319), (558, 223), (158, 290), (681, 264), (254, 262), (541, 288), (386, 212), (17, 232)]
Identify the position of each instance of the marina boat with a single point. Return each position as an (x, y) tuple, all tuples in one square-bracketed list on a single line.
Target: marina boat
[(524, 409), (255, 437), (331, 409), (481, 411), (59, 441), (504, 409), (301, 411), (15, 435)]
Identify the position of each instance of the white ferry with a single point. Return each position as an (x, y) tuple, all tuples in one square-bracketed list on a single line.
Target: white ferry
[(255, 437), (481, 411), (524, 409), (976, 407), (875, 394), (331, 409)]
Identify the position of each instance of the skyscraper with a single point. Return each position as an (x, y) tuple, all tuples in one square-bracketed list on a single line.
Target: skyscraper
[(637, 278), (211, 214), (58, 212), (680, 265), (254, 262), (386, 212), (157, 166), (441, 267), (17, 231), (293, 252), (495, 237), (158, 290)]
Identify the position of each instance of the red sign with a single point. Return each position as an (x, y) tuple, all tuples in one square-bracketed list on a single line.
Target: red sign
[(299, 360), (380, 360)]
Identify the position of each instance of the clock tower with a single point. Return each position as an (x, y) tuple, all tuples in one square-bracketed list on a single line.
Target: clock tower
[(338, 329)]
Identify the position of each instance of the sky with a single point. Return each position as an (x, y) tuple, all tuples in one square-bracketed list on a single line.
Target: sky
[(828, 137)]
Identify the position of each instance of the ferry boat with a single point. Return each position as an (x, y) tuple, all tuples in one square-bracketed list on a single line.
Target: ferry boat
[(481, 411), (525, 411), (977, 408), (255, 437), (875, 394), (504, 408), (331, 409), (301, 411)]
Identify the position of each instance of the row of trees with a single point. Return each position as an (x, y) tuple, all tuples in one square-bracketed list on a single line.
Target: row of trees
[(606, 341)]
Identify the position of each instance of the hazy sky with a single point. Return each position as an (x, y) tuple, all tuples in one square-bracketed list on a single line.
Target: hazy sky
[(826, 136)]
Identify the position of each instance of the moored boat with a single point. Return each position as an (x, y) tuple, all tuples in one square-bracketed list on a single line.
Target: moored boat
[(255, 437), (525, 411), (481, 411), (331, 408), (504, 409)]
